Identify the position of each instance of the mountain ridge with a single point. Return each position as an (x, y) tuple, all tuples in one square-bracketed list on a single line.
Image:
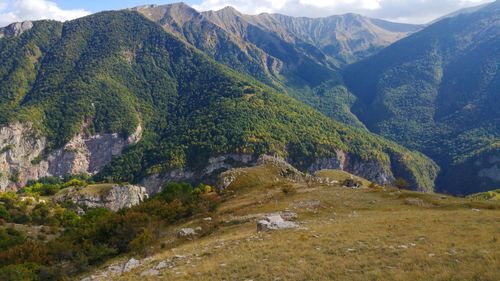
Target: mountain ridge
[(265, 48), (89, 79)]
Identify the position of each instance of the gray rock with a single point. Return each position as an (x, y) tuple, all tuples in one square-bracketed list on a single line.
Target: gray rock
[(21, 146), (274, 222), (186, 232), (115, 269), (113, 198), (372, 170), (131, 264), (15, 29), (161, 265)]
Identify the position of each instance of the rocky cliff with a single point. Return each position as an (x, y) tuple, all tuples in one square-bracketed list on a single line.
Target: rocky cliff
[(15, 29), (22, 154), (375, 171), (109, 196)]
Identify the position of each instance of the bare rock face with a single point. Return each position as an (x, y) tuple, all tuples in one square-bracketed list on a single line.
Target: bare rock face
[(19, 147), (372, 170), (89, 154), (112, 197), (21, 151), (154, 183), (277, 221), (15, 29)]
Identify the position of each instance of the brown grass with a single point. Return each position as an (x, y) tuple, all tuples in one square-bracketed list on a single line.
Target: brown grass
[(360, 234)]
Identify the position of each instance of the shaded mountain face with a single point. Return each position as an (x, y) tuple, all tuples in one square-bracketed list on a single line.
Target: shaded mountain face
[(299, 55), (438, 91), (117, 74)]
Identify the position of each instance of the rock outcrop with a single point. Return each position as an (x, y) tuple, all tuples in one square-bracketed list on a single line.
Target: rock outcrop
[(277, 221), (372, 170), (186, 233), (21, 151), (215, 165), (109, 196), (15, 29)]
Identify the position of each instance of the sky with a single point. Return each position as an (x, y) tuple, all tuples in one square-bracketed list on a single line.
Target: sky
[(409, 11)]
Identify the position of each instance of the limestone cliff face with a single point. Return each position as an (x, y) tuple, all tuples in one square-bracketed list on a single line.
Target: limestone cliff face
[(21, 151), (15, 29), (372, 170), (111, 197), (221, 163)]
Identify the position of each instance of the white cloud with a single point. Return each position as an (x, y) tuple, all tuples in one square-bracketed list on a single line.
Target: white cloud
[(416, 11), (21, 10)]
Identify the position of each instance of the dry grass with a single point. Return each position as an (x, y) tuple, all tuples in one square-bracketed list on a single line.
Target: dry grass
[(94, 189), (340, 176), (345, 234)]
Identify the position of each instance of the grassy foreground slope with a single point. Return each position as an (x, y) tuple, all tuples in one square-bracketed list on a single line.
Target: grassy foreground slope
[(116, 70), (344, 234)]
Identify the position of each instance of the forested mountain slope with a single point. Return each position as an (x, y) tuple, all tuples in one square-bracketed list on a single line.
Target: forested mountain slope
[(299, 55), (438, 91), (174, 113)]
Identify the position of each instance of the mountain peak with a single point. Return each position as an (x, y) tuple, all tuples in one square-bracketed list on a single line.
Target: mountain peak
[(179, 12), (229, 10)]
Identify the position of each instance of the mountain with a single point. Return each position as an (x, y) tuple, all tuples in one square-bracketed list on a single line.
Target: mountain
[(437, 91), (461, 12), (302, 56), (114, 94)]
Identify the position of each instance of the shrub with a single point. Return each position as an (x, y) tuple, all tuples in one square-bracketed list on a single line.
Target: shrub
[(4, 214), (141, 243), (288, 189)]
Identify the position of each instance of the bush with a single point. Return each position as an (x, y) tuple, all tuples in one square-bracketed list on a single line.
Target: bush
[(141, 243), (288, 189), (4, 214), (10, 237)]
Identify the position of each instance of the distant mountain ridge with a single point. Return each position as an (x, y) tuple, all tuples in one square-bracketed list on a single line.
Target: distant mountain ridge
[(302, 56)]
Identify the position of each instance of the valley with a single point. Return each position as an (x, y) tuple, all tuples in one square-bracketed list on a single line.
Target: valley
[(160, 142)]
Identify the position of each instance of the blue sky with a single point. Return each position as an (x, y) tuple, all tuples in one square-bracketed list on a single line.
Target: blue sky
[(410, 11)]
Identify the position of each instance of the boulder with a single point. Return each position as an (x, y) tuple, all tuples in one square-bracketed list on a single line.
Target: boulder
[(186, 232), (276, 222), (131, 264)]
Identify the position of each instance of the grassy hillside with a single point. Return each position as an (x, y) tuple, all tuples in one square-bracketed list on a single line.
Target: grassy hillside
[(344, 234), (115, 70)]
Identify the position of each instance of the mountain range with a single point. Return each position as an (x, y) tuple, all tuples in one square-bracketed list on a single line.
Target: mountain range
[(301, 56), (182, 95), (116, 87)]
